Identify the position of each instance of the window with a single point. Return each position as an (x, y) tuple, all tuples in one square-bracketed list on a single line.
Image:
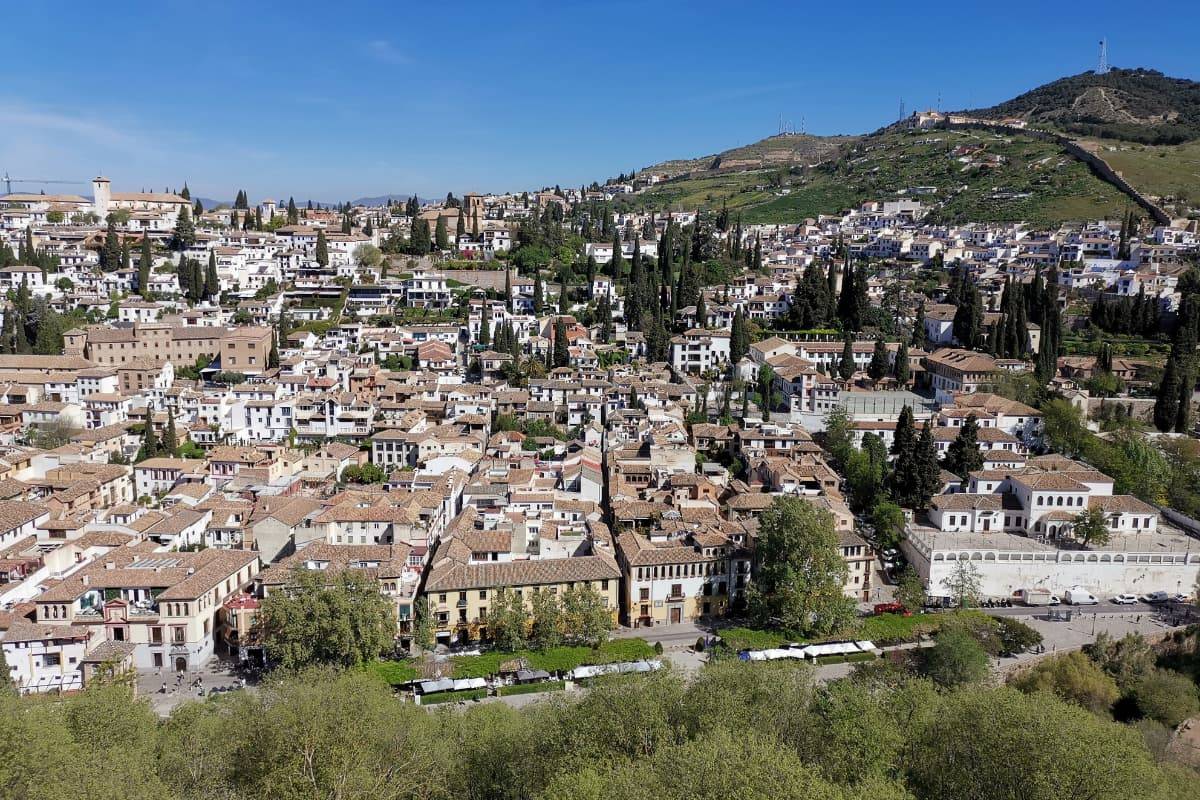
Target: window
[(51, 659)]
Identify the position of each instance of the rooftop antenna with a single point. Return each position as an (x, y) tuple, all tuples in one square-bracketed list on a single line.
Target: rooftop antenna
[(901, 117), (1102, 67)]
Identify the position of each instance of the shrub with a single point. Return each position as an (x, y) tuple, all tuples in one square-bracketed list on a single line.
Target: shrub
[(1167, 697)]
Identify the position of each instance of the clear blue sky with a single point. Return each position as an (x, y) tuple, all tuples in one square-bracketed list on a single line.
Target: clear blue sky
[(335, 100)]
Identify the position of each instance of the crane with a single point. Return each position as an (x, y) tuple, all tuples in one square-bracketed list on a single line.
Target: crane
[(9, 181)]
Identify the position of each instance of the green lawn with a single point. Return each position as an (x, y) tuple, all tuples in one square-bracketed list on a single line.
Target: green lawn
[(556, 659), (1163, 171), (394, 673)]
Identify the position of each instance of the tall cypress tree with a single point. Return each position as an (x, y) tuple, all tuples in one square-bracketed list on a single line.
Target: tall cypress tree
[(322, 249), (144, 267), (212, 284), (847, 369), (170, 441), (900, 368)]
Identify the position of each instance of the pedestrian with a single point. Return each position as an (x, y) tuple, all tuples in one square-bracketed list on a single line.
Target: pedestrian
[(163, 690)]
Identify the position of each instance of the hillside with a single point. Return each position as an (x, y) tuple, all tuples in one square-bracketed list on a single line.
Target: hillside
[(967, 175), (784, 150), (1137, 105)]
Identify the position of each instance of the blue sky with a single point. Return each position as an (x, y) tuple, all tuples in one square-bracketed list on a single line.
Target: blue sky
[(339, 100)]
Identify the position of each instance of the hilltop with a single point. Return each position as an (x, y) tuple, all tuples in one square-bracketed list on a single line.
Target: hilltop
[(965, 174), (1136, 105), (782, 150)]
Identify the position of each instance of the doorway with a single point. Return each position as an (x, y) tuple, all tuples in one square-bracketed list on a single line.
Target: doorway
[(676, 615), (180, 664)]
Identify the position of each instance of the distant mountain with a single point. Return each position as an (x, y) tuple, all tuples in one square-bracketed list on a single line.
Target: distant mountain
[(1138, 105), (382, 200)]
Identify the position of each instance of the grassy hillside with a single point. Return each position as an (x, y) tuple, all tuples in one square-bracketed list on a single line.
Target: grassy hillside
[(1171, 173), (976, 176), (775, 151), (1138, 105)]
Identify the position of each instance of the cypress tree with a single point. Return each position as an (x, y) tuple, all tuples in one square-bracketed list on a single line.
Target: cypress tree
[(918, 332), (537, 291), (170, 442), (562, 353), (701, 313), (928, 470), (440, 235), (293, 213), (617, 264), (185, 231), (563, 300), (144, 267), (905, 478), (879, 362), (212, 284), (110, 254), (508, 304), (322, 249), (739, 343), (150, 446), (900, 368), (846, 307), (846, 369)]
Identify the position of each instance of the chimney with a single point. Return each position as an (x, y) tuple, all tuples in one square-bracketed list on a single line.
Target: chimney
[(86, 580)]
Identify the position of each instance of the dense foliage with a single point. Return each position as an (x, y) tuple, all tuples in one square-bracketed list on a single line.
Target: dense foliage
[(736, 730)]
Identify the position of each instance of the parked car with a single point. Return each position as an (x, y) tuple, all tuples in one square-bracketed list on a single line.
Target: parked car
[(1076, 596), (1155, 598), (1179, 597), (891, 608), (1125, 599)]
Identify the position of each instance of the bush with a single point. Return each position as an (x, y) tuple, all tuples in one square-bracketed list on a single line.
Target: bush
[(658, 648), (1166, 696), (1072, 677)]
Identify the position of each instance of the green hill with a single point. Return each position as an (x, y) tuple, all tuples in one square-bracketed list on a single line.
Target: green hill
[(967, 175), (783, 150), (1136, 105)]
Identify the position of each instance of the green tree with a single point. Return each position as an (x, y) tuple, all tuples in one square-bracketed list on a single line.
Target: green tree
[(212, 283), (1072, 677), (801, 572), (170, 440), (144, 263), (964, 583), (963, 456), (1090, 527), (150, 446), (1063, 427), (440, 235), (846, 367), (838, 439), (585, 618), (900, 368), (185, 231), (424, 624), (888, 521), (766, 390), (983, 728), (507, 619), (323, 619), (956, 658), (879, 366), (546, 624), (910, 590), (322, 249), (1166, 696)]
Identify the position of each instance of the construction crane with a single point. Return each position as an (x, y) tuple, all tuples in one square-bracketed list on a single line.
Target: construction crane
[(9, 181)]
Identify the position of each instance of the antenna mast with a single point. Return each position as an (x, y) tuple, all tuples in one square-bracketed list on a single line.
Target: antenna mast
[(1102, 67)]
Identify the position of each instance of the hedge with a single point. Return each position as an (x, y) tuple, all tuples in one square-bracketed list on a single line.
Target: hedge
[(531, 688), (453, 697)]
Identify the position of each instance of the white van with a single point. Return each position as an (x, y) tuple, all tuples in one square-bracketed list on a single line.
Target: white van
[(1078, 596)]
